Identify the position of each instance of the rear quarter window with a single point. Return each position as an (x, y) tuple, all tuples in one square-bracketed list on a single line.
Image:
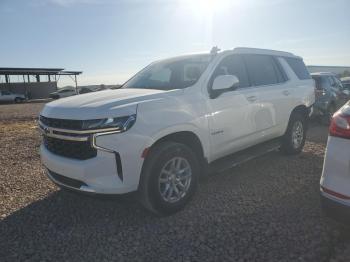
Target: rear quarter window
[(298, 67)]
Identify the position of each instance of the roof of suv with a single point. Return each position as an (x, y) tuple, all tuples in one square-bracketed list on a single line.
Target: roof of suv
[(248, 50), (237, 50)]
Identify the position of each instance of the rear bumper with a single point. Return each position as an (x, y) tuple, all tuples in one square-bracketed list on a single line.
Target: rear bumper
[(335, 210)]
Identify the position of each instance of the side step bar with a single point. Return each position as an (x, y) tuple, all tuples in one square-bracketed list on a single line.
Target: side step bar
[(240, 157)]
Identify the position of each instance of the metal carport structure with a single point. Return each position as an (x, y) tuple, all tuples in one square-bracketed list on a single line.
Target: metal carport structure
[(53, 75)]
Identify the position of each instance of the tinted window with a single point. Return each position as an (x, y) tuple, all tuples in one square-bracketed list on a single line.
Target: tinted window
[(325, 83), (346, 86), (338, 84), (6, 93), (298, 67), (233, 65), (331, 80), (261, 69), (318, 82), (281, 75)]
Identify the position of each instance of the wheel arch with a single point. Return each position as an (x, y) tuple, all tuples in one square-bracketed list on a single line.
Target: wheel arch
[(188, 138), (301, 109)]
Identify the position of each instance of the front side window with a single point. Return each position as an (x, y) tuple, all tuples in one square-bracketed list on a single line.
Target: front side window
[(261, 69), (232, 65), (170, 74), (65, 91), (6, 93)]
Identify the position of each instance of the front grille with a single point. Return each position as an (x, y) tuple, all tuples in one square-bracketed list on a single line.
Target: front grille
[(62, 123), (81, 150), (67, 180)]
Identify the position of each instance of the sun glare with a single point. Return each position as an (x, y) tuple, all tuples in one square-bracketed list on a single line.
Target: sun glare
[(205, 7)]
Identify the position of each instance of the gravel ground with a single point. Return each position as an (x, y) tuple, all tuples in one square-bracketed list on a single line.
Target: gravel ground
[(20, 111), (264, 210)]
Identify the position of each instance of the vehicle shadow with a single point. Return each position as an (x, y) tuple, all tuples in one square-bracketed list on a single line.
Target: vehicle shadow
[(317, 132), (272, 197), (40, 227)]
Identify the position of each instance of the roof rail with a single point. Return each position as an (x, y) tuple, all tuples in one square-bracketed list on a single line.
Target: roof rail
[(262, 51)]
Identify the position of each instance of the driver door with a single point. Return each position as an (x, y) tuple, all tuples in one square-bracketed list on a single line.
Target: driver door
[(231, 124)]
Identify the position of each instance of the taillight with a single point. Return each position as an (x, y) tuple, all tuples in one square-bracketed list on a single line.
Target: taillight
[(340, 126)]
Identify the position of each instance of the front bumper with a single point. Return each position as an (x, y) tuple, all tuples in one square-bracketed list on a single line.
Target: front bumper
[(335, 210), (114, 168), (97, 175)]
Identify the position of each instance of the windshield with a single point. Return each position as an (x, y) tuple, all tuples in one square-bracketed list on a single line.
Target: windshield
[(168, 75)]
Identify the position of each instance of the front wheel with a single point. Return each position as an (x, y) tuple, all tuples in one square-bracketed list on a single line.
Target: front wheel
[(294, 139), (169, 178)]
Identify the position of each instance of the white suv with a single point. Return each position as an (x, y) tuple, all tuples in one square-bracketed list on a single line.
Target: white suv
[(174, 120)]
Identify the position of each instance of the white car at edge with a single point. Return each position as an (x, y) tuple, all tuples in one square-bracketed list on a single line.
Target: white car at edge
[(173, 120), (335, 179)]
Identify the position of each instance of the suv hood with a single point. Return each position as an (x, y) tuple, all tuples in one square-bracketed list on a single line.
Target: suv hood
[(107, 103)]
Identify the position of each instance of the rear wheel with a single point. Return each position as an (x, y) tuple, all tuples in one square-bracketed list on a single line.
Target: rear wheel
[(169, 178), (294, 139)]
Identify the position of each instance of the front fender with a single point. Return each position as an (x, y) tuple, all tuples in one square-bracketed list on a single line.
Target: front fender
[(168, 116), (183, 128)]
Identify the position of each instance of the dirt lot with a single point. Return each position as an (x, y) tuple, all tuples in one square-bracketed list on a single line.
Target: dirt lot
[(264, 210)]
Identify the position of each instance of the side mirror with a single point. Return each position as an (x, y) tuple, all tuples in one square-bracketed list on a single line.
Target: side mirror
[(224, 82)]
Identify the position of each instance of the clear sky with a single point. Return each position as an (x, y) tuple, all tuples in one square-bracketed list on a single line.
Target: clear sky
[(110, 40)]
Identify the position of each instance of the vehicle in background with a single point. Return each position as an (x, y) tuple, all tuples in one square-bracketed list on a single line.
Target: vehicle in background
[(85, 90), (330, 95), (6, 96), (175, 120), (346, 83), (62, 93), (335, 179)]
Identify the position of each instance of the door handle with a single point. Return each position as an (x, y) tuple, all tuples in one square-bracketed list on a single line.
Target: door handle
[(286, 92), (251, 98)]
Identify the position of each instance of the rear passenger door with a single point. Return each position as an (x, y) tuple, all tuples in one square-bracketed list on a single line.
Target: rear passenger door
[(274, 94)]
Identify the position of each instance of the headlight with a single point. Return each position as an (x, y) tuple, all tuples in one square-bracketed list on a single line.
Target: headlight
[(122, 123)]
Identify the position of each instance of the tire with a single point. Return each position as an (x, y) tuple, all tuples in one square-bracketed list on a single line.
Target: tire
[(159, 175), (294, 139), (18, 100), (327, 117)]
